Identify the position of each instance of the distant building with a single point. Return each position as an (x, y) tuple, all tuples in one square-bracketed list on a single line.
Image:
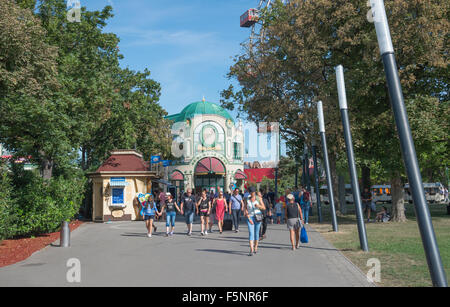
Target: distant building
[(6, 155), (210, 149), (116, 183), (256, 175)]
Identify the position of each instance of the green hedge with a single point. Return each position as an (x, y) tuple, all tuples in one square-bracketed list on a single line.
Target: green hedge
[(39, 206), (6, 214)]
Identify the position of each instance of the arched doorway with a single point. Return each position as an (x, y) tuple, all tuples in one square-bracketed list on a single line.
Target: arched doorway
[(209, 174), (177, 181)]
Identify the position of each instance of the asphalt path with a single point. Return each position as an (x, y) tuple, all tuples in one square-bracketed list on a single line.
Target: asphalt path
[(120, 254)]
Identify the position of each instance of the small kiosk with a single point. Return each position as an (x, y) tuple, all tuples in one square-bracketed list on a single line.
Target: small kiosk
[(116, 183)]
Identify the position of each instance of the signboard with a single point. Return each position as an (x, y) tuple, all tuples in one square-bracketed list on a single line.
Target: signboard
[(155, 159), (117, 196)]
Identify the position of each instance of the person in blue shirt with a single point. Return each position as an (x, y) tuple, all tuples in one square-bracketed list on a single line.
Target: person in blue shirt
[(235, 206), (149, 212)]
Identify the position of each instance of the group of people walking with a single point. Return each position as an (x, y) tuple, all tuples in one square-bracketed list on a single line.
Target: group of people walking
[(256, 206)]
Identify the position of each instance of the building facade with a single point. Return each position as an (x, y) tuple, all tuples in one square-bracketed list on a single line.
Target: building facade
[(209, 147), (116, 183)]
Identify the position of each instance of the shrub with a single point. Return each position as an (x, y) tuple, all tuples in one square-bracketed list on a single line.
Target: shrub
[(6, 215), (40, 206)]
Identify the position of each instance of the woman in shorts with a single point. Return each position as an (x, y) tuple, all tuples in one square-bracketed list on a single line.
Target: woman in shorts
[(204, 209), (294, 218), (150, 211)]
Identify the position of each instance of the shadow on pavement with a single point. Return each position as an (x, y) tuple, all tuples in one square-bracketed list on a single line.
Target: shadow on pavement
[(223, 251)]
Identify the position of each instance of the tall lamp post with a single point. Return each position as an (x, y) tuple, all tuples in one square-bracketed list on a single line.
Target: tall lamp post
[(307, 177), (351, 158), (407, 145), (327, 165), (316, 181)]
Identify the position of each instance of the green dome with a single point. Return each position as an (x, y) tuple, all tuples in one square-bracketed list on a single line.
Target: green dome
[(200, 108)]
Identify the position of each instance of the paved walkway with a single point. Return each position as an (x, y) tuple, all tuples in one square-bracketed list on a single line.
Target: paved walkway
[(120, 254)]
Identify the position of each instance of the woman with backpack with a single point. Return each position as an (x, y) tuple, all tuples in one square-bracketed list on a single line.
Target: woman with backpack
[(253, 212), (294, 218), (305, 204)]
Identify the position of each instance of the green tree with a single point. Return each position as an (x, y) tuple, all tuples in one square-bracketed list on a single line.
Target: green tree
[(293, 66), (113, 107), (34, 118)]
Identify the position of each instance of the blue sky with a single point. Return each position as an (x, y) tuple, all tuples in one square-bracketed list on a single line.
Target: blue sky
[(187, 45)]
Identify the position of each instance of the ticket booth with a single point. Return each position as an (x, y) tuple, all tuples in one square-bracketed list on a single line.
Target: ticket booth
[(116, 183)]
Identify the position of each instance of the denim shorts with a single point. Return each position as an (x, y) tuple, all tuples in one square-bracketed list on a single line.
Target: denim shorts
[(189, 217), (149, 217)]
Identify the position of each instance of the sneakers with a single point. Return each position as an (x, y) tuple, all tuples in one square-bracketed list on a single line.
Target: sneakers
[(206, 232), (189, 234), (149, 235), (202, 233), (171, 233)]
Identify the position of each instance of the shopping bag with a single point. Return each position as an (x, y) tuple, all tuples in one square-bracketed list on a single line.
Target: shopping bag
[(303, 235)]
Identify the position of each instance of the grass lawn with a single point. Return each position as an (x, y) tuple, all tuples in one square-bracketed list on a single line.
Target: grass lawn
[(398, 246)]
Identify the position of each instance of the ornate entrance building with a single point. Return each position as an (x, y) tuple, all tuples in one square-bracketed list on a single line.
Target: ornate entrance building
[(209, 174), (208, 145)]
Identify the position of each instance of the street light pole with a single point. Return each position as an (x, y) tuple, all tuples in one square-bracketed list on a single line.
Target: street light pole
[(307, 178), (327, 165), (351, 158), (407, 145), (316, 181)]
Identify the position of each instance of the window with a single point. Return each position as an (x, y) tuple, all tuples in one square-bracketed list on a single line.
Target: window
[(117, 196), (236, 151)]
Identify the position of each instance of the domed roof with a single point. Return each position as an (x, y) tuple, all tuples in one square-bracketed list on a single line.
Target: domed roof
[(200, 108)]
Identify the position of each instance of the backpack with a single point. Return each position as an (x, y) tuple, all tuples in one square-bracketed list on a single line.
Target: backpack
[(306, 196)]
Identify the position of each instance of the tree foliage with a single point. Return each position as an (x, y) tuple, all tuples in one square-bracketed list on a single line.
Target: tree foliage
[(65, 102), (283, 75)]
